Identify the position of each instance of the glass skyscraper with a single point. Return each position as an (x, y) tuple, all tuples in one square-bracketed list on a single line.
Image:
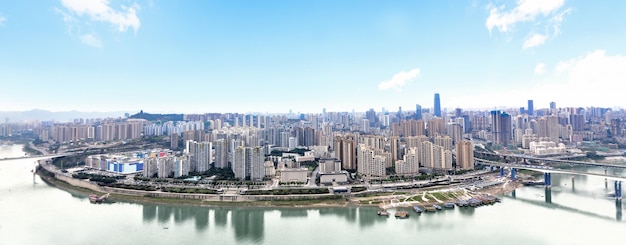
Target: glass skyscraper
[(437, 105)]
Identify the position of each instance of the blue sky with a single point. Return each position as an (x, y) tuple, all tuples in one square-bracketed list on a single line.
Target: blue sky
[(273, 56)]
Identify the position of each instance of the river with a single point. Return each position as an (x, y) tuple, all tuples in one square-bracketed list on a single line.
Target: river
[(32, 212)]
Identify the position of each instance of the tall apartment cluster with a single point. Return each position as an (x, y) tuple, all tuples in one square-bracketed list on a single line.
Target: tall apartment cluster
[(371, 143)]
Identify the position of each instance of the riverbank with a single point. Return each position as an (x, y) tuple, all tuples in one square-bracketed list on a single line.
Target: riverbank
[(331, 201), (383, 200)]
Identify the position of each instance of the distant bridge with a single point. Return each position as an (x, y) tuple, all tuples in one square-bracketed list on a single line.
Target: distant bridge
[(548, 169), (524, 158), (35, 156)]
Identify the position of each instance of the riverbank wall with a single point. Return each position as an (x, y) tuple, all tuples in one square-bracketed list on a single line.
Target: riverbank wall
[(92, 186)]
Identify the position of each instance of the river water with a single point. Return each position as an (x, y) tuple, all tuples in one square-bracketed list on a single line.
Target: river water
[(32, 212)]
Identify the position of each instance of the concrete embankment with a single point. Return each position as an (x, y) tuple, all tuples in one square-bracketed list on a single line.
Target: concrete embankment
[(91, 186)]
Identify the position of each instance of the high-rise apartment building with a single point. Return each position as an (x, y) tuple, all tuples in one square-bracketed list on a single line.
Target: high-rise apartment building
[(221, 153), (464, 155), (345, 151)]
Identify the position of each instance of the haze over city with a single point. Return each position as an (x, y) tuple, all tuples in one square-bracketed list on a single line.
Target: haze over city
[(276, 56)]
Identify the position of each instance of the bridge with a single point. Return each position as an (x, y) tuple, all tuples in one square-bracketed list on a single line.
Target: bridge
[(548, 171), (35, 156), (526, 158)]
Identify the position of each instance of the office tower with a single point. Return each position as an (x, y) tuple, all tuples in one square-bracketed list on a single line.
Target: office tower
[(465, 155), (371, 116), (501, 127), (577, 121), (521, 110), (531, 109), (437, 105), (553, 106), (418, 112), (458, 112)]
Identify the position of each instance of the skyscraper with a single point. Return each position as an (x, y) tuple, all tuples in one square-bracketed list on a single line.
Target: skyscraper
[(501, 127), (531, 109), (418, 112), (437, 105)]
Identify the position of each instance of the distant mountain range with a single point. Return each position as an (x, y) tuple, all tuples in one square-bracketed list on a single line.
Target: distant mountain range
[(60, 116)]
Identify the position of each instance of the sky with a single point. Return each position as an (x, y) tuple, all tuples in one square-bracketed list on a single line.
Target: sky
[(276, 56)]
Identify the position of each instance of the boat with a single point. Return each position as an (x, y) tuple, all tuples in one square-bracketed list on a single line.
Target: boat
[(436, 206), (448, 205), (462, 203), (473, 202), (417, 209), (430, 209), (383, 213), (402, 214)]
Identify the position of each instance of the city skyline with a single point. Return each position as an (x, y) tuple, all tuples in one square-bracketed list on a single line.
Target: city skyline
[(273, 57)]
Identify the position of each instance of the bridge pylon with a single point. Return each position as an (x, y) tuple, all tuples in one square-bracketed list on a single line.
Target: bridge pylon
[(547, 179)]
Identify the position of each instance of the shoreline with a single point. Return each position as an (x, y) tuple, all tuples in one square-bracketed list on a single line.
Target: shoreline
[(309, 203), (372, 199), (454, 193)]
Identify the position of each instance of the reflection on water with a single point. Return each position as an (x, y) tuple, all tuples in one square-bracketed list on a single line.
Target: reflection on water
[(293, 213), (349, 213), (467, 211), (548, 194), (149, 212), (221, 217), (248, 224)]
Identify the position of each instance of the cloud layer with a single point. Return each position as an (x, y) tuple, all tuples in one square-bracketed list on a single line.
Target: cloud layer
[(540, 69), (99, 10), (83, 19), (91, 40), (595, 78), (548, 15), (399, 80)]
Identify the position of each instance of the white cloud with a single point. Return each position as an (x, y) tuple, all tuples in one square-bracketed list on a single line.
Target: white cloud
[(2, 20), (399, 80), (526, 10), (596, 78), (99, 10), (91, 40), (546, 14), (540, 69), (534, 40)]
